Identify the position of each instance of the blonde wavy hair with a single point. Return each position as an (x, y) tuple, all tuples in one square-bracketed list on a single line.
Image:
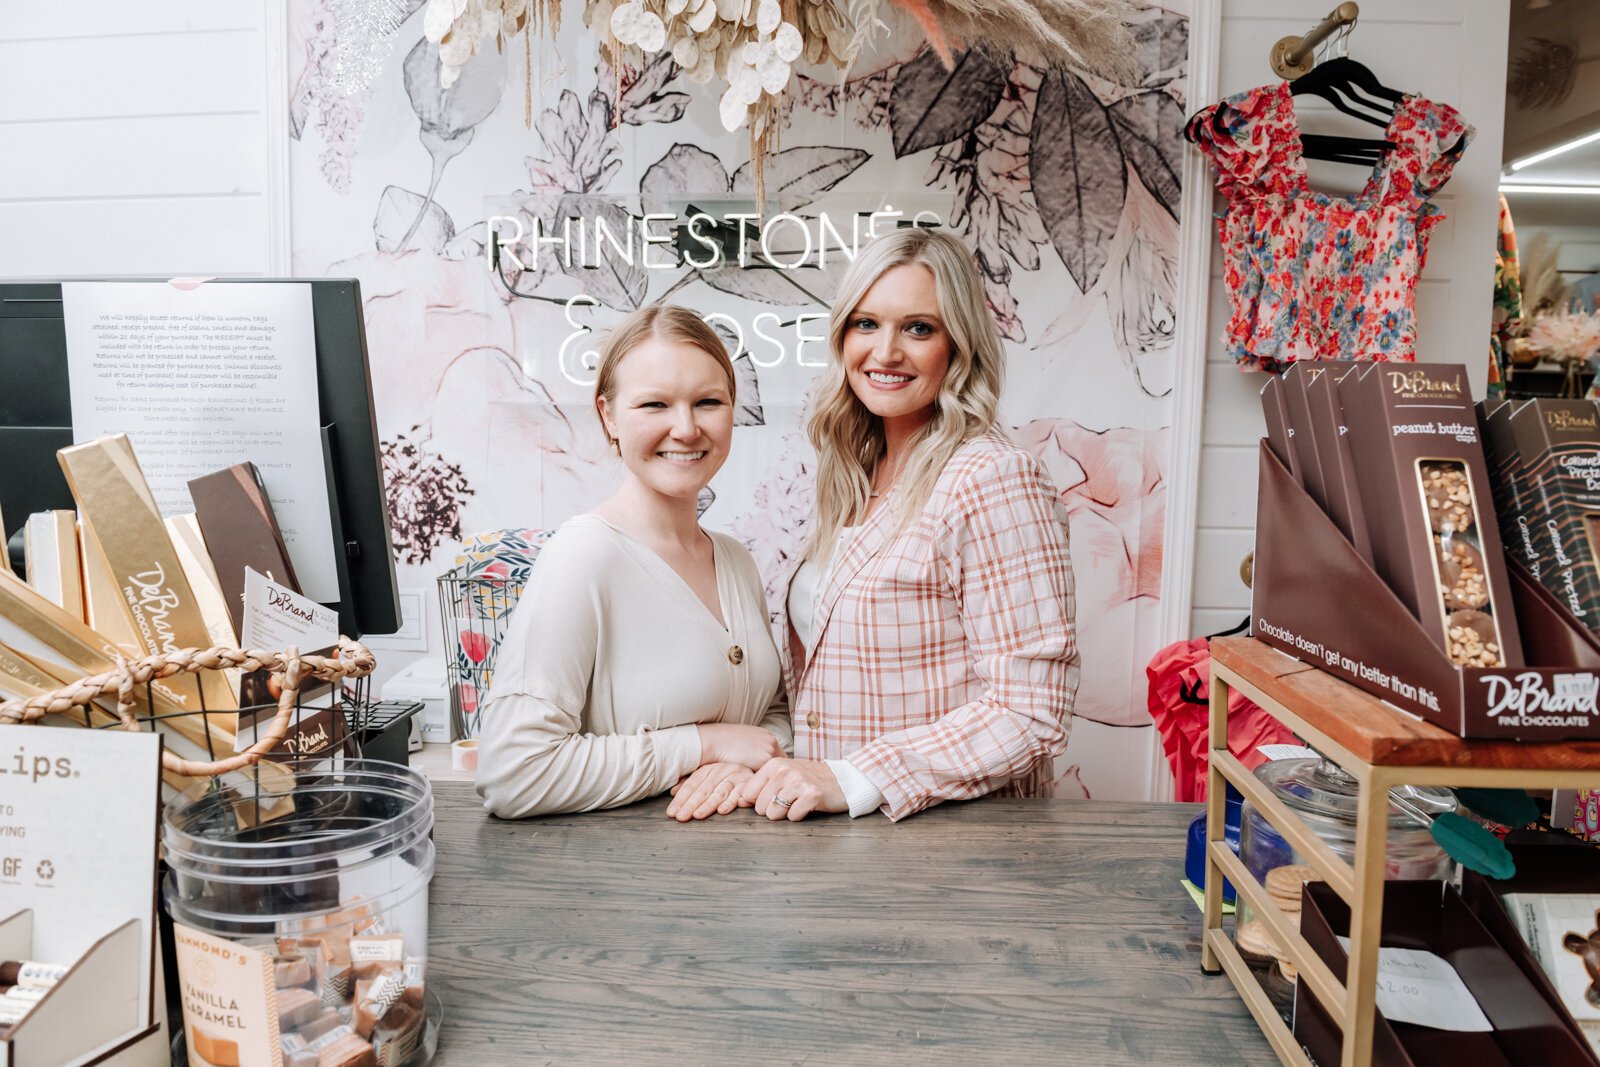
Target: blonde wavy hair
[(669, 322), (849, 439)]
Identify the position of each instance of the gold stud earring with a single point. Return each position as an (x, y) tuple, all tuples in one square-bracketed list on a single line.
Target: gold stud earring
[(616, 449)]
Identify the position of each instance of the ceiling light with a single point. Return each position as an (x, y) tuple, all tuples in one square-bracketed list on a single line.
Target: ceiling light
[(1551, 153), (1567, 190)]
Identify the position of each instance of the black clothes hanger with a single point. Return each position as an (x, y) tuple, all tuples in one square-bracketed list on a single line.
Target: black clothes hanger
[(1244, 624), (1348, 75), (1359, 150), (1337, 80)]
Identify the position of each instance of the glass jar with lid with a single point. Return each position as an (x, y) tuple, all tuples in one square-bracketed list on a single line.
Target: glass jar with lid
[(1324, 797)]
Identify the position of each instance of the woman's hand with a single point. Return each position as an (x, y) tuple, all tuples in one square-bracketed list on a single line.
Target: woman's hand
[(731, 742), (714, 789), (807, 785)]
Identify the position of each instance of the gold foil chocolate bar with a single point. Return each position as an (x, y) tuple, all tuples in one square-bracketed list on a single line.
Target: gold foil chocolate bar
[(51, 546), (124, 523), (67, 650), (1418, 459), (102, 600)]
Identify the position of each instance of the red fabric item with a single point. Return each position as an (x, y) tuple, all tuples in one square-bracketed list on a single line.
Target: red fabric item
[(1186, 666)]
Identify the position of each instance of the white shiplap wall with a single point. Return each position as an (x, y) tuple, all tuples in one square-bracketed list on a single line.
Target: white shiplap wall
[(133, 138), (1430, 47)]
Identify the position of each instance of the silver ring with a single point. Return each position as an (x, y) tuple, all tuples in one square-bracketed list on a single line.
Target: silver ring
[(782, 803)]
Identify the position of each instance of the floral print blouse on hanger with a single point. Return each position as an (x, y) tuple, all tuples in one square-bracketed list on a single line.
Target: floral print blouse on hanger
[(1314, 275)]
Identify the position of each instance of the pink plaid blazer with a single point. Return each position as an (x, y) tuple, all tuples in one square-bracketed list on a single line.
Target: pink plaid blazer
[(945, 661)]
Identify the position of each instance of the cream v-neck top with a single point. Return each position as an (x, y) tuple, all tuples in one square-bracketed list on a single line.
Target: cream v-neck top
[(609, 663)]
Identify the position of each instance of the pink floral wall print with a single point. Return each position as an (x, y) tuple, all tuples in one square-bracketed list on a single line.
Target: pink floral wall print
[(1064, 184)]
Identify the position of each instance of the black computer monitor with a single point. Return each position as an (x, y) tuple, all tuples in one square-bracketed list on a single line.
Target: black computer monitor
[(36, 420)]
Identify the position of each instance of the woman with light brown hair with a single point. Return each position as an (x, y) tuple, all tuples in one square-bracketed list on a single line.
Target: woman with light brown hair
[(929, 629), (639, 653)]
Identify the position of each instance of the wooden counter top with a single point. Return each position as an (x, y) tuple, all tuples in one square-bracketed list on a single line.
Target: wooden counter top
[(1373, 731), (993, 931)]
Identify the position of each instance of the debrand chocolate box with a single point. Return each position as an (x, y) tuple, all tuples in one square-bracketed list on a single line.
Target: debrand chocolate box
[(1558, 450), (1342, 490), (1505, 480), (1424, 486), (1278, 430), (1302, 440)]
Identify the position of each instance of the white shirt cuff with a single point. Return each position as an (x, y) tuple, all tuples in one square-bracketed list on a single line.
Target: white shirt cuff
[(677, 752), (859, 792)]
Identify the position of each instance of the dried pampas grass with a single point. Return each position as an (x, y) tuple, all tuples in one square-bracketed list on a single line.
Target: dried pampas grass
[(1091, 35), (1542, 287)]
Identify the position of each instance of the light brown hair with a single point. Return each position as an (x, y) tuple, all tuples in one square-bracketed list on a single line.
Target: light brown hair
[(849, 439), (668, 322)]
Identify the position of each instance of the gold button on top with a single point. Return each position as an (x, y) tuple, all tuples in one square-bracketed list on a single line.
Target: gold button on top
[(813, 720), (735, 655)]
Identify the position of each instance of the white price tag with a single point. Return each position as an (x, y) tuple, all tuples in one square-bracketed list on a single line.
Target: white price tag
[(1277, 752), (1418, 987)]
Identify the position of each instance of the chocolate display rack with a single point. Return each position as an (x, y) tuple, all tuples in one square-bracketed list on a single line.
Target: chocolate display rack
[(1380, 750), (1315, 598)]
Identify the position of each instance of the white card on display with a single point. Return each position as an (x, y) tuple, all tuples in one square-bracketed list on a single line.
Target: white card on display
[(1419, 987), (276, 617)]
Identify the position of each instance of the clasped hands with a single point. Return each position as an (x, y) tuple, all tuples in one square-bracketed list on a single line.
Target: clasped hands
[(740, 769)]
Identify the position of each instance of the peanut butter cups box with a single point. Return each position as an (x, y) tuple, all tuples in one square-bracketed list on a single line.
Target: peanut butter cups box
[(1425, 495)]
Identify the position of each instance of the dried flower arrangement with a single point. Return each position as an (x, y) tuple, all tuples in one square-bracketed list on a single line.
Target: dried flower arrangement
[(1565, 337), (750, 46)]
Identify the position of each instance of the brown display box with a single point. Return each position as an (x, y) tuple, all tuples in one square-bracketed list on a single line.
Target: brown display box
[(1424, 483), (1311, 464), (1279, 433), (1315, 598), (1341, 487), (1546, 863), (1528, 1031), (1505, 472), (1558, 457)]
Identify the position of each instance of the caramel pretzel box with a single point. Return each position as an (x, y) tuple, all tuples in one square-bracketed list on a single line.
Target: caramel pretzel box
[(1505, 479), (1558, 445), (1418, 458), (1343, 503), (1302, 439), (1277, 416)]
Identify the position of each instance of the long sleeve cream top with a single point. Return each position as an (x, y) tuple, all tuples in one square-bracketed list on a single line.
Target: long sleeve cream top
[(609, 663)]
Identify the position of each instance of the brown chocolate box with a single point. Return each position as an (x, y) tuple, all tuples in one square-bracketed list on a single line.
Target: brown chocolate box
[(235, 515), (1505, 479), (1302, 439), (1527, 1032), (1278, 431), (1366, 636), (1411, 422), (1558, 450), (1342, 489)]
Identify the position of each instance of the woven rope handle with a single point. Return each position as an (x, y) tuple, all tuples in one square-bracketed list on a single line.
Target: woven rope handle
[(289, 667)]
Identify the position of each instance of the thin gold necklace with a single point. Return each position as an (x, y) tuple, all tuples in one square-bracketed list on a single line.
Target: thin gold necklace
[(873, 494)]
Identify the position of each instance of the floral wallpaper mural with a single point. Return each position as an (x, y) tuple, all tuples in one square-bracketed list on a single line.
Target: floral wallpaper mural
[(490, 252)]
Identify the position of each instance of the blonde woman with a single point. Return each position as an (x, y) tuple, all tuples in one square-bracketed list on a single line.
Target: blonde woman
[(930, 627), (640, 653)]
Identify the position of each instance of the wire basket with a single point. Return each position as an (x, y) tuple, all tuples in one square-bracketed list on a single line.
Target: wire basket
[(476, 597), (475, 611), (292, 672)]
